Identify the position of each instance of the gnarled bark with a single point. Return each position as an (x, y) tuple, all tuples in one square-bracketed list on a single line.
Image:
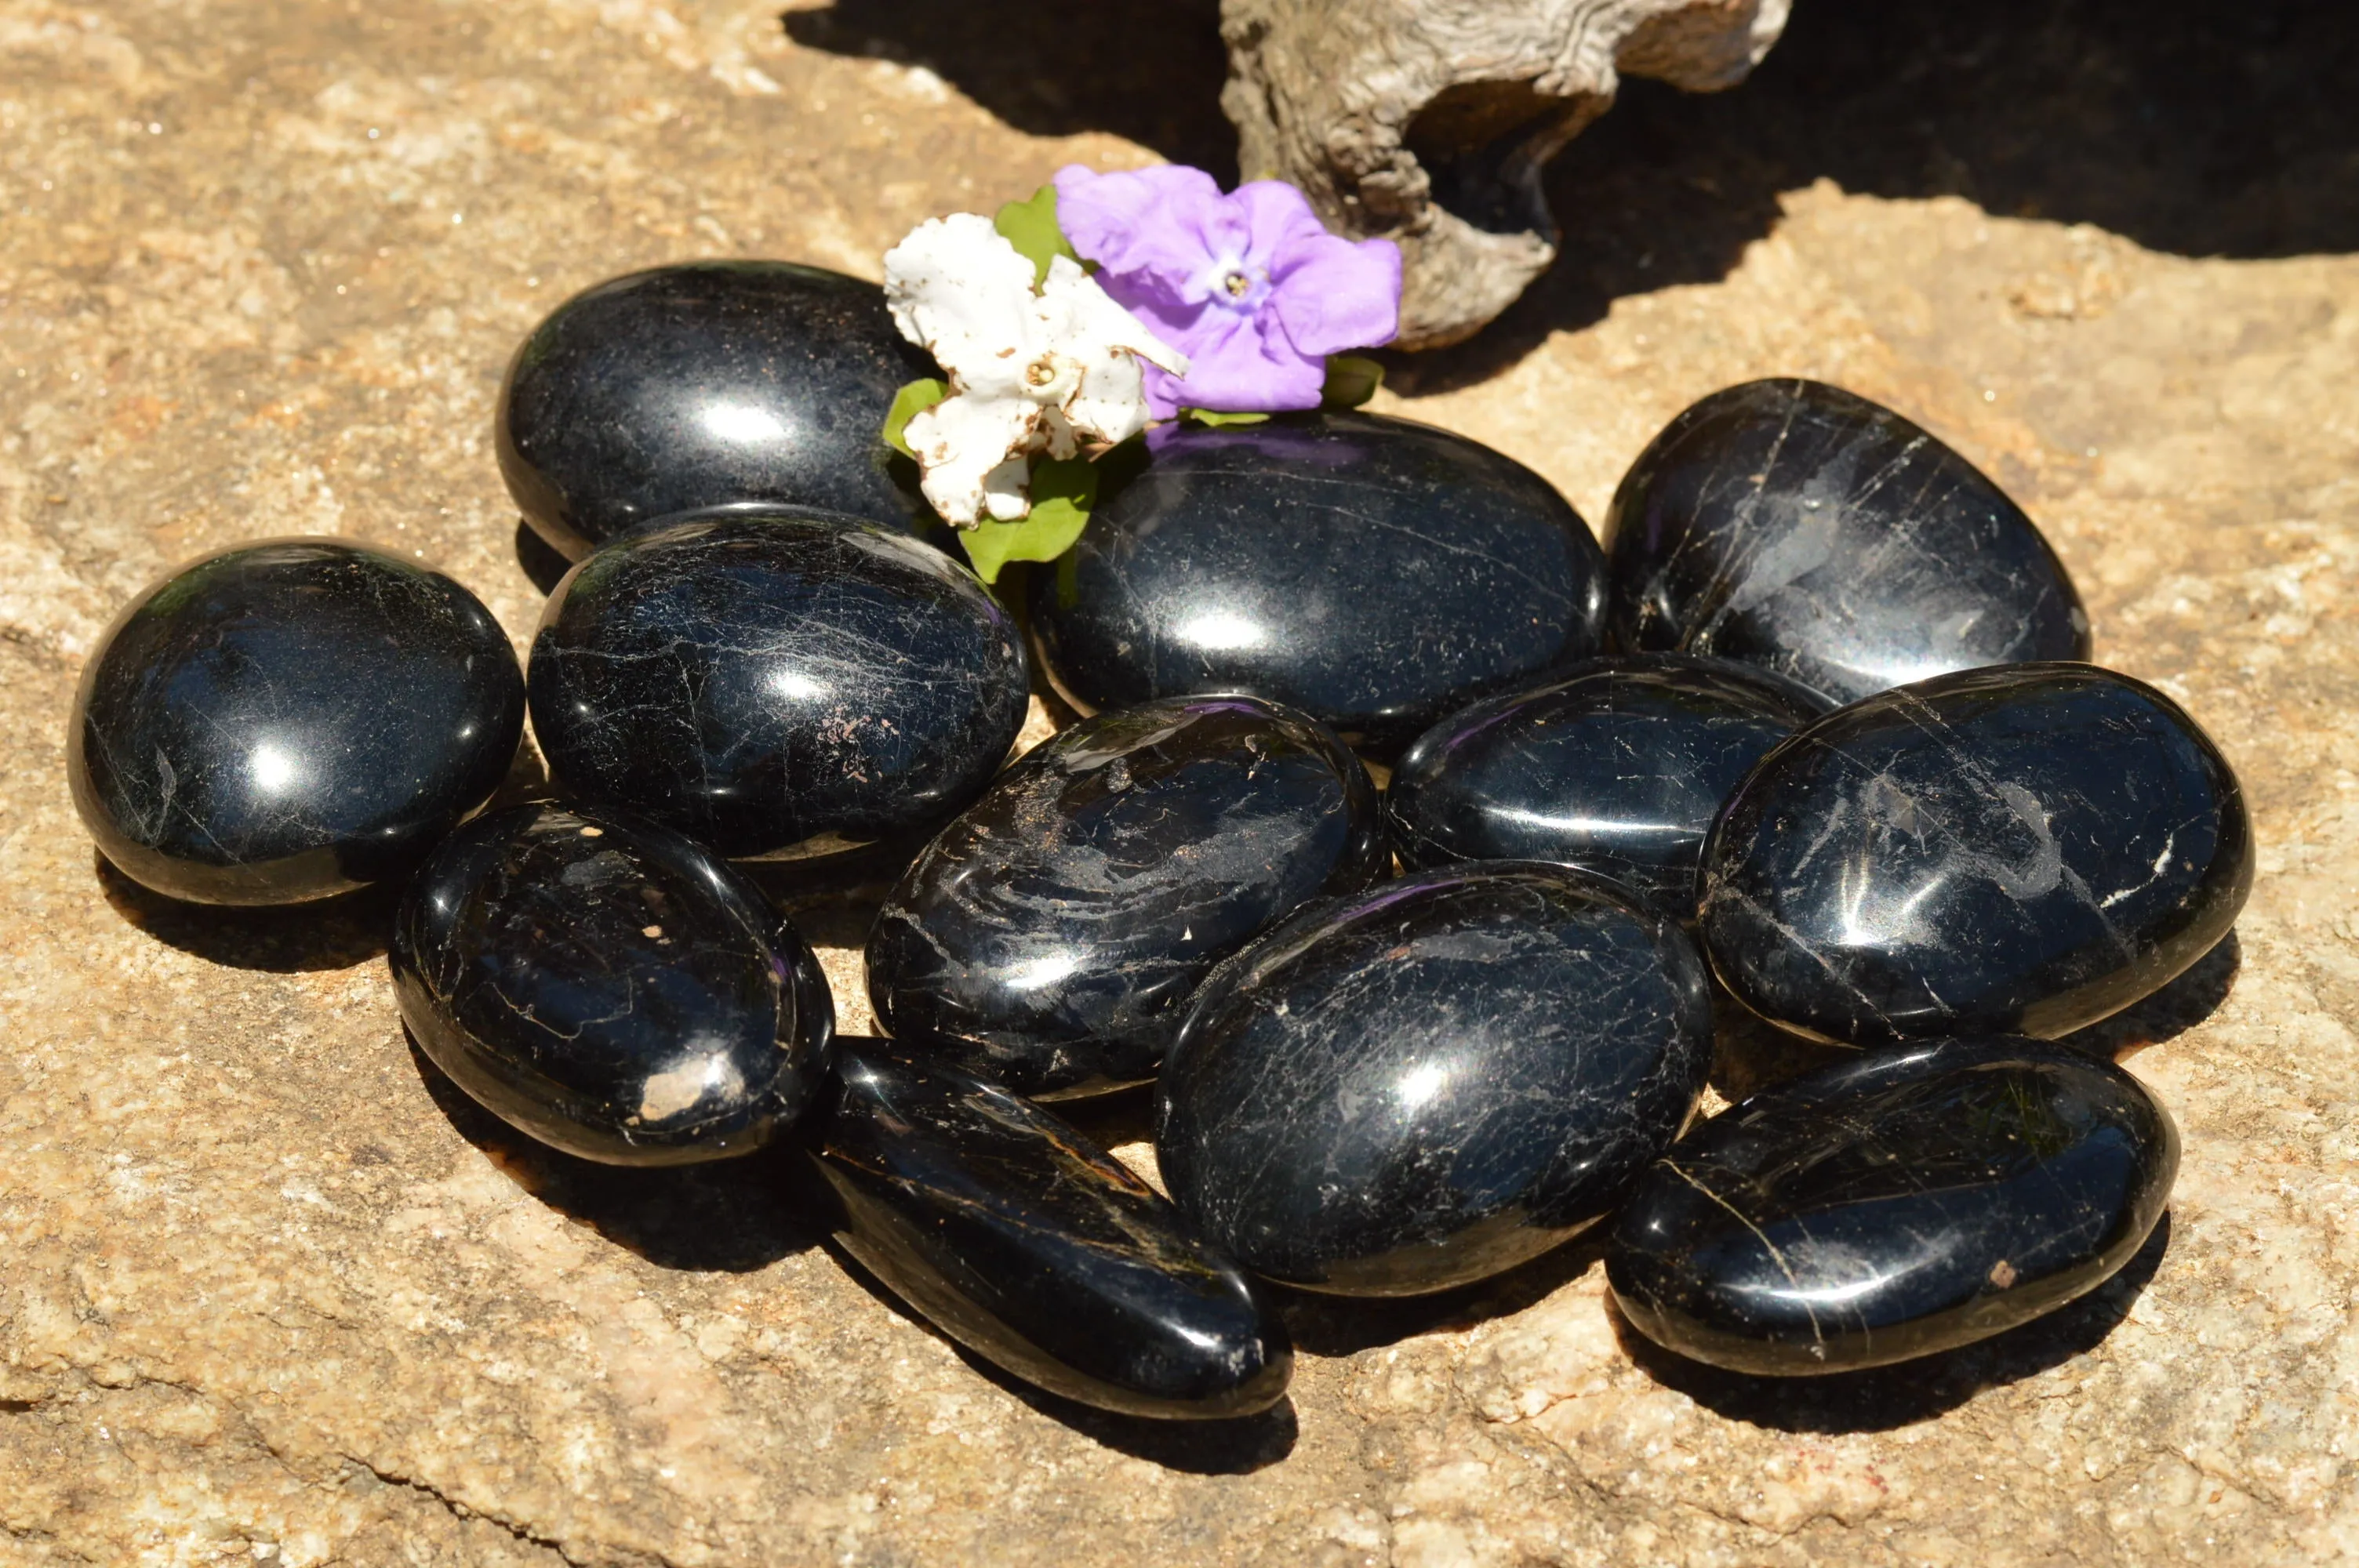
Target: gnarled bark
[(1428, 122)]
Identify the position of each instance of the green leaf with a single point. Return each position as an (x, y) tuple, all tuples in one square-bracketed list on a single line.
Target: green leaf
[(908, 404), (1351, 381), (1031, 228), (1063, 493), (1215, 418)]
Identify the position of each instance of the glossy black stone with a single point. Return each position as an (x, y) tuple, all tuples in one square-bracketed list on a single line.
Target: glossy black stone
[(1795, 525), (290, 720), (1047, 937), (1617, 767), (1031, 1246), (1374, 572), (2019, 850), (609, 988), (777, 686), (1434, 1080), (1912, 1201), (694, 386)]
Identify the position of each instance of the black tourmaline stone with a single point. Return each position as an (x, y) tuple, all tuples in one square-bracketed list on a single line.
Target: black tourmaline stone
[(290, 720), (1909, 1202), (609, 988), (1795, 525), (1617, 767), (1047, 936), (2019, 850), (1373, 572), (695, 386), (1434, 1080), (1019, 1239), (779, 686)]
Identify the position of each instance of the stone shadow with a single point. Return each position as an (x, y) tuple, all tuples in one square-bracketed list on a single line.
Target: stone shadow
[(325, 934), (1885, 1398), (1345, 1325), (539, 559), (2195, 995), (732, 1216)]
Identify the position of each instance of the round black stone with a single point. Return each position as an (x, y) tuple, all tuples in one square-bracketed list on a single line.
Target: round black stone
[(609, 988), (1047, 937), (1433, 1080), (1374, 572), (2023, 851), (1909, 1202), (1798, 526), (290, 720), (779, 686), (694, 386), (1617, 767), (1024, 1241)]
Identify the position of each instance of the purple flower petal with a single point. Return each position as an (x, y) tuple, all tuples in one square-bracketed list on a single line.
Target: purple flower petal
[(1153, 227), (1332, 294), (1244, 367), (1280, 220)]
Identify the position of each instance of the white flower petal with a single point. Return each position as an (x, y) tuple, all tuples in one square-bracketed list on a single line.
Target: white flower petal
[(962, 442), (1079, 312), (1006, 494), (959, 289)]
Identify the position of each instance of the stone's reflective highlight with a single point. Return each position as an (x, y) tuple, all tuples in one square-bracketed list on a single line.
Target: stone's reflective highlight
[(1434, 1080), (1373, 572), (1617, 767), (2024, 849), (1018, 1238), (1798, 527), (290, 720), (609, 988), (1910, 1202), (777, 686), (1047, 936), (694, 386)]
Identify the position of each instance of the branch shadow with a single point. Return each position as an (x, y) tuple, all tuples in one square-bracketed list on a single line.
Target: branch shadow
[(324, 934), (1901, 1395), (727, 1216), (1151, 74)]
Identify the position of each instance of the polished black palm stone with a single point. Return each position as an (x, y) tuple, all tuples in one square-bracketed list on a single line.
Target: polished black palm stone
[(1617, 767), (1019, 1239), (2022, 850), (1373, 572), (290, 720), (609, 988), (777, 686), (695, 386), (1912, 1201), (1795, 525), (1047, 937), (1434, 1080)]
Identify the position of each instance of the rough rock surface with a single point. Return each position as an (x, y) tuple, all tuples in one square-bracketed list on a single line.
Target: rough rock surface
[(269, 1295)]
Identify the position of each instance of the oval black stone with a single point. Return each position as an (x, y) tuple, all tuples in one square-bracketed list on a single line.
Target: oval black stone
[(1912, 1201), (775, 686), (2021, 850), (1022, 1241), (1373, 572), (609, 988), (693, 385), (1047, 937), (1434, 1080), (1795, 525), (290, 720), (1616, 767)]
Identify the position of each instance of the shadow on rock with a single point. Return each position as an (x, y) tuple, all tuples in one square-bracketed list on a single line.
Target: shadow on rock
[(734, 1216), (2177, 1008), (1151, 74), (1235, 1447), (539, 559), (325, 934), (1345, 1325), (1888, 1397)]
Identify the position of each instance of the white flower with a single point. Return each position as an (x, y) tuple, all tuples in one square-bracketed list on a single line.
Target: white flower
[(1029, 371)]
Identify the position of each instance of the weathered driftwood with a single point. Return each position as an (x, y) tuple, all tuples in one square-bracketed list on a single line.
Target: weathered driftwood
[(1428, 122)]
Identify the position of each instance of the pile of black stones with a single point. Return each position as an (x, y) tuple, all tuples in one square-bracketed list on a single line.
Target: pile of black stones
[(1812, 740)]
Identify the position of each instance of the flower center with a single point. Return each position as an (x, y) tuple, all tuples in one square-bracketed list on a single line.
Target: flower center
[(1238, 284)]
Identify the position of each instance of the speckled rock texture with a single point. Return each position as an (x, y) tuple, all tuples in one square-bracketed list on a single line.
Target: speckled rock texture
[(269, 1293)]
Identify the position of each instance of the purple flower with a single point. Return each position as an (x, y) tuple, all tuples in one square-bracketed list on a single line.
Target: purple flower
[(1250, 286)]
